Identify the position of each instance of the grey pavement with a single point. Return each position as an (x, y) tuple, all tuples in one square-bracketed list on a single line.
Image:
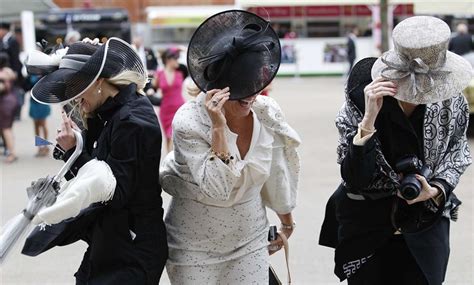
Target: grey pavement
[(310, 105)]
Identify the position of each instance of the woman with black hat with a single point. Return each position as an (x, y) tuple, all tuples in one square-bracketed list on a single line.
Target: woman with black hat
[(402, 150), (233, 155), (125, 231)]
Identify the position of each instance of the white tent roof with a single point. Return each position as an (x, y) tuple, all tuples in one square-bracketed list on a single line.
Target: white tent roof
[(439, 7), (262, 3), (11, 9), (185, 11), (453, 7)]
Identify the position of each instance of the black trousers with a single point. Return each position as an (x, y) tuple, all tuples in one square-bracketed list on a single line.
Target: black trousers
[(393, 264)]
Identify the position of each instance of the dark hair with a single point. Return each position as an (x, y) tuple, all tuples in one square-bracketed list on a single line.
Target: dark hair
[(4, 60), (169, 53), (4, 25)]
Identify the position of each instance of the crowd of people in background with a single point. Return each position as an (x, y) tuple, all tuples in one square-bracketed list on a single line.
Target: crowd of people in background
[(231, 154), (10, 92), (164, 87)]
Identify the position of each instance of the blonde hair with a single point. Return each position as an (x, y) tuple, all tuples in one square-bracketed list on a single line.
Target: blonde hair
[(128, 77), (121, 79)]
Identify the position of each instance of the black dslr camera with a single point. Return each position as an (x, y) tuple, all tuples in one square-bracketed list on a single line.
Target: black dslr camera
[(410, 187)]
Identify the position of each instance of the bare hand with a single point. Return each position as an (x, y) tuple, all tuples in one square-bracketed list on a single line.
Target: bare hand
[(427, 191), (65, 137), (374, 93), (279, 242), (215, 100)]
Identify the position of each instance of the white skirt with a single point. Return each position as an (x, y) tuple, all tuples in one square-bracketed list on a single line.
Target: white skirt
[(249, 269), (199, 234)]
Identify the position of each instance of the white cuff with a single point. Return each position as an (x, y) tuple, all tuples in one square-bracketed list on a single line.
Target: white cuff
[(360, 141)]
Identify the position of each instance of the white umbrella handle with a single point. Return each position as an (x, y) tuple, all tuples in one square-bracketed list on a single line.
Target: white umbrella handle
[(46, 195)]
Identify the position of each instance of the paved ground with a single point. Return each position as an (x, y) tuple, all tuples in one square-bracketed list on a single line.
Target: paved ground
[(310, 106)]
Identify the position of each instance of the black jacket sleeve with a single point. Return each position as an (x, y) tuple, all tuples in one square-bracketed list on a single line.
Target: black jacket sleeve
[(123, 160), (14, 53), (359, 165), (447, 189)]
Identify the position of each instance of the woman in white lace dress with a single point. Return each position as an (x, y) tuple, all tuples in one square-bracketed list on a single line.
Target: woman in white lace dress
[(234, 155), (217, 223)]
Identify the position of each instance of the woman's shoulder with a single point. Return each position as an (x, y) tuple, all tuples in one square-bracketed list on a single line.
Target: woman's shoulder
[(265, 106), (137, 114), (270, 114), (190, 116)]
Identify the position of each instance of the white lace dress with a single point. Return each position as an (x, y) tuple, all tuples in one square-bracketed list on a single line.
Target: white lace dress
[(217, 224)]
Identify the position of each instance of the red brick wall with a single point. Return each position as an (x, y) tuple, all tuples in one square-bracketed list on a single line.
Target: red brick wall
[(136, 8)]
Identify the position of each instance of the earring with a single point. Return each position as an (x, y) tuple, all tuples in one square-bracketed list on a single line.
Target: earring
[(100, 90)]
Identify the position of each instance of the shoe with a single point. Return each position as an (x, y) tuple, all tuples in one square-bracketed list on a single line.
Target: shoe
[(42, 151), (10, 159)]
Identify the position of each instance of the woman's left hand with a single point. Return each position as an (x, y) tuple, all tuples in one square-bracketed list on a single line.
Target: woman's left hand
[(427, 191), (278, 244)]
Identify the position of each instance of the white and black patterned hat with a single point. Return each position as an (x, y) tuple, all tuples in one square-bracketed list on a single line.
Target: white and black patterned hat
[(69, 72), (235, 49), (420, 63)]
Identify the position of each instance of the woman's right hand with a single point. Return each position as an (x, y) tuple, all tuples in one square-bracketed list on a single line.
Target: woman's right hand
[(374, 93), (65, 137), (215, 100)]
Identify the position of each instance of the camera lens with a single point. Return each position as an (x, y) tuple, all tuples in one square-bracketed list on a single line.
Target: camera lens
[(410, 187)]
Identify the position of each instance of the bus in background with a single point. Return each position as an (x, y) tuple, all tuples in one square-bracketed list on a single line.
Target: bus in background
[(54, 25)]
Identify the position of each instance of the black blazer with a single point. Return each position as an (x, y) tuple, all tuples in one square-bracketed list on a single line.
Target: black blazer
[(151, 61), (12, 48), (125, 134), (461, 44), (351, 50)]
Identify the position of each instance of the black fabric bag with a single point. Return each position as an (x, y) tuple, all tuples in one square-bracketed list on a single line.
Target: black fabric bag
[(273, 280)]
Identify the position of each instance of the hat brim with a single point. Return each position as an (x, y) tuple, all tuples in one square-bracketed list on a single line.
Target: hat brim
[(456, 75), (250, 72), (64, 85), (53, 88)]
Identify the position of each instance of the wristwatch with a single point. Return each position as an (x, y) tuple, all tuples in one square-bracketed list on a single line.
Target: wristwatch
[(288, 227)]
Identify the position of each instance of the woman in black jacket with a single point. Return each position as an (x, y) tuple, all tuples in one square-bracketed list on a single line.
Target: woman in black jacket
[(402, 150), (126, 234)]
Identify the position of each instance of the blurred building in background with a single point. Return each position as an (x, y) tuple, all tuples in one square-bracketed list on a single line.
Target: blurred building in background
[(313, 32)]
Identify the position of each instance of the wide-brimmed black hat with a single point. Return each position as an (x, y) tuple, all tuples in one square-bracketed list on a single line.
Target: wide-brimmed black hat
[(235, 49), (70, 72)]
